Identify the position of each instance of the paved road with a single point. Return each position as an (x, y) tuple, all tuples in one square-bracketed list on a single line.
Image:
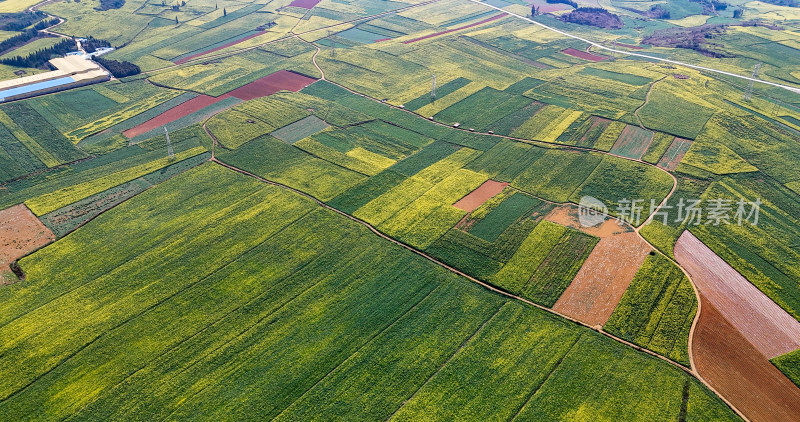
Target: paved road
[(794, 89)]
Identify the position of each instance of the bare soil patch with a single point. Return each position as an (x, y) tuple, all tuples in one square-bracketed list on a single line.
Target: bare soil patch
[(567, 215), (20, 233), (268, 85), (602, 280), (769, 328), (483, 193), (584, 55), (738, 371)]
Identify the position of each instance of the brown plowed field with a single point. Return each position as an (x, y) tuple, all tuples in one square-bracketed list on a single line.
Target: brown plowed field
[(738, 371), (476, 198), (20, 233), (602, 280), (268, 85), (762, 322), (583, 55)]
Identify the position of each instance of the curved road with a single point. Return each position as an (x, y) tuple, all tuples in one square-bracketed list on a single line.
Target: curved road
[(793, 89)]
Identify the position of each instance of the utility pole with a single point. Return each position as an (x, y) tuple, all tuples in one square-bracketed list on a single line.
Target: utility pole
[(433, 89), (749, 92)]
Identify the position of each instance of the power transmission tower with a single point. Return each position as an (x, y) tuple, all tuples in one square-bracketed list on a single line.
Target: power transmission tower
[(433, 89), (332, 39), (749, 92), (614, 50), (170, 152)]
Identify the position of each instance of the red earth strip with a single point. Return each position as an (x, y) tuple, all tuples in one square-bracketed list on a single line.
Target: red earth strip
[(455, 29), (194, 56), (602, 280), (584, 55), (282, 80), (738, 331), (476, 198), (305, 4), (632, 47)]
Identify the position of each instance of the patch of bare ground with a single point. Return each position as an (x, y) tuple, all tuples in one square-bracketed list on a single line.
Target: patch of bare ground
[(483, 193), (602, 280), (738, 331), (20, 233), (737, 370), (760, 320), (567, 215)]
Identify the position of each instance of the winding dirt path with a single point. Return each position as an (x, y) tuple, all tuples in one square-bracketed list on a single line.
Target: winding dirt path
[(449, 268)]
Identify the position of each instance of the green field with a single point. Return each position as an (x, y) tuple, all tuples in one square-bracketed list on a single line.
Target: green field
[(320, 305), (657, 310), (182, 289)]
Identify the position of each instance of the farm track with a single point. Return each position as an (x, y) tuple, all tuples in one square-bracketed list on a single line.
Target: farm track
[(452, 269), (693, 367), (646, 100)]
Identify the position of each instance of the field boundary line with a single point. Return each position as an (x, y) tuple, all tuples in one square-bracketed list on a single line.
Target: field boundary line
[(232, 311), (366, 343), (250, 327), (456, 271), (450, 359), (547, 378)]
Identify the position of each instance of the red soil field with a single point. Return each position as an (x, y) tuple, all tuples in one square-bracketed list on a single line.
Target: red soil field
[(455, 29), (739, 372), (584, 55), (305, 4), (476, 198), (175, 113), (602, 280), (20, 233), (282, 80), (194, 56), (769, 328), (268, 85), (674, 154)]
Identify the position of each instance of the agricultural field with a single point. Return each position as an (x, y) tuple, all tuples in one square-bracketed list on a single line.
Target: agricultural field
[(380, 207), (657, 310)]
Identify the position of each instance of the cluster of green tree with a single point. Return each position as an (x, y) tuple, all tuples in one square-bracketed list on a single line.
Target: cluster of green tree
[(46, 23), (19, 21), (657, 12), (18, 40), (39, 57), (569, 2), (594, 16), (92, 44), (119, 69), (110, 4), (711, 6)]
